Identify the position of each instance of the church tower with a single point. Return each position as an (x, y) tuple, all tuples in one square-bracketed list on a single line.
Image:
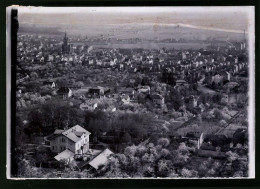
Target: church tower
[(65, 47)]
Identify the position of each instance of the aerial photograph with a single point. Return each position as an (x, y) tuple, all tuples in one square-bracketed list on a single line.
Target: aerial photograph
[(132, 92)]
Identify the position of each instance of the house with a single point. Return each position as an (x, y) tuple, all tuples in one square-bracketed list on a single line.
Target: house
[(67, 143), (226, 76), (49, 83), (217, 79), (50, 58), (157, 99), (96, 91), (110, 109), (126, 91), (65, 92), (81, 93), (144, 89), (73, 144), (94, 159), (65, 155), (89, 105), (125, 99), (181, 83), (196, 137), (231, 85), (193, 101)]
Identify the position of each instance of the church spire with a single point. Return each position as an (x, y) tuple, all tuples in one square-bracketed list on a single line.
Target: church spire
[(65, 39)]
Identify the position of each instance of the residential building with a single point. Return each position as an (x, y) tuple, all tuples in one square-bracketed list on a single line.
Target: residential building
[(65, 92), (75, 139), (157, 99)]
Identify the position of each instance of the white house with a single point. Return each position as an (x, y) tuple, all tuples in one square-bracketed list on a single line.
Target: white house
[(70, 142), (144, 89), (89, 105), (125, 99)]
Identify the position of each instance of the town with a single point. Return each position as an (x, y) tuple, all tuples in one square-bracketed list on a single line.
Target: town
[(105, 107)]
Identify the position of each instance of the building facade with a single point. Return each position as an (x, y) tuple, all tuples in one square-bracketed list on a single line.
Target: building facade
[(75, 139)]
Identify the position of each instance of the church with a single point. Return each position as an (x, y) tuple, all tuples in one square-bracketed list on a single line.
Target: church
[(66, 47)]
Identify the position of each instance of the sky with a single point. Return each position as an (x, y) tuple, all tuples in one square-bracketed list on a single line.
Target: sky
[(226, 19)]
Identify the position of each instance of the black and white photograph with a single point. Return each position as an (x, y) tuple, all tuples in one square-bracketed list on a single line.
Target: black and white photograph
[(130, 92)]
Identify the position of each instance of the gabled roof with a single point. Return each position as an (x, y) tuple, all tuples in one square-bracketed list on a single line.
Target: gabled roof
[(58, 131), (74, 133), (181, 81), (194, 135), (101, 159), (66, 154), (232, 83)]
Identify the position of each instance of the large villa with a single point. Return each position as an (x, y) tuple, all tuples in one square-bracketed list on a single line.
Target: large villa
[(73, 144)]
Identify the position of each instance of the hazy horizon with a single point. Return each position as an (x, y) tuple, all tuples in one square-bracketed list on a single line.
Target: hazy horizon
[(142, 22)]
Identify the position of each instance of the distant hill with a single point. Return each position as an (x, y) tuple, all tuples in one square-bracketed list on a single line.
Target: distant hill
[(36, 29), (132, 30)]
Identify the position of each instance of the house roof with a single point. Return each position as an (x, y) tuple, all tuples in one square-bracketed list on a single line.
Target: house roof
[(125, 97), (194, 135), (66, 154), (74, 133), (58, 131), (232, 83), (92, 153), (156, 96), (181, 81), (213, 154), (101, 159)]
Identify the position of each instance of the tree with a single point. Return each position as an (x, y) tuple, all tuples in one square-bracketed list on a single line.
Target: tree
[(126, 138), (34, 75), (189, 173), (27, 170), (164, 168), (238, 174), (79, 84), (164, 142), (181, 155), (232, 156), (41, 158), (164, 153), (130, 150), (216, 98), (176, 99), (222, 122), (149, 172)]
